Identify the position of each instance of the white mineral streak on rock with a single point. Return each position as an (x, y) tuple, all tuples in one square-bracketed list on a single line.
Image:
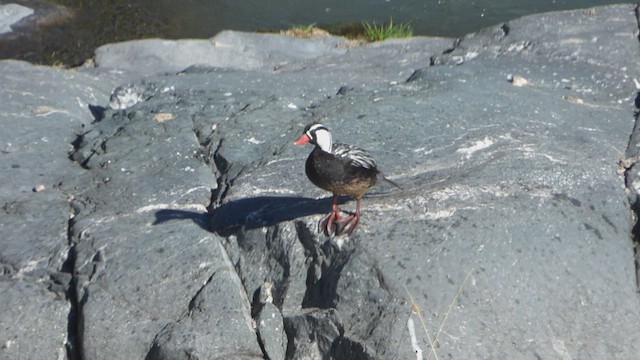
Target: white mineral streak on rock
[(477, 146)]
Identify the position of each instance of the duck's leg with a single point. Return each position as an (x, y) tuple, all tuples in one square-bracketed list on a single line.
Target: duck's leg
[(327, 223), (347, 225)]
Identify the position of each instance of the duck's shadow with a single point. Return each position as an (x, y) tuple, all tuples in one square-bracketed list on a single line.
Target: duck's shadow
[(251, 213)]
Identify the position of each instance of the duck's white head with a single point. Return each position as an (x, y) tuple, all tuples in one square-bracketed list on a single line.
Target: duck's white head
[(318, 135)]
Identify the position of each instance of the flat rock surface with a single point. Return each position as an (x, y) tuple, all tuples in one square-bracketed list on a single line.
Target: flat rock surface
[(162, 212), (42, 108), (228, 49)]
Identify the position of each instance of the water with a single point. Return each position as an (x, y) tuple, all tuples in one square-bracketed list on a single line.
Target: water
[(99, 22), (429, 17)]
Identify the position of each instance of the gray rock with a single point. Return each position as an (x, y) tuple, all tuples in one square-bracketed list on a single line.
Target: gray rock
[(218, 324), (312, 333), (177, 222), (34, 321), (11, 14), (20, 22), (126, 96), (228, 49), (271, 330), (41, 109), (508, 188)]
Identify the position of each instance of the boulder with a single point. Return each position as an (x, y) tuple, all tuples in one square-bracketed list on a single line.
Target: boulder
[(11, 14), (228, 49)]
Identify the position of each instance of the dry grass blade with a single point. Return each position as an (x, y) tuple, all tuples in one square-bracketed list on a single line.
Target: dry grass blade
[(446, 315), (416, 308)]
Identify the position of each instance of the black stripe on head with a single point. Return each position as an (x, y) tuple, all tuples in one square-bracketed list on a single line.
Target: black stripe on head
[(311, 129)]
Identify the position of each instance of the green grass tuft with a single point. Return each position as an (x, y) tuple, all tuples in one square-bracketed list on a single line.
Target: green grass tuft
[(375, 32)]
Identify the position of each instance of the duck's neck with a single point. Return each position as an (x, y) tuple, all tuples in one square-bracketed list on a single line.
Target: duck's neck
[(323, 140)]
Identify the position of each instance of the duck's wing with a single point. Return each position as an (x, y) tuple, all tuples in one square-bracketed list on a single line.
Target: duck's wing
[(357, 156)]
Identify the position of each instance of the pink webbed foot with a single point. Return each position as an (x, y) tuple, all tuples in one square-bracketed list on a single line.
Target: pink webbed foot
[(333, 223), (327, 224), (347, 225)]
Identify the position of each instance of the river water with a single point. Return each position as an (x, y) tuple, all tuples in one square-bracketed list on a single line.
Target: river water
[(429, 17), (95, 23)]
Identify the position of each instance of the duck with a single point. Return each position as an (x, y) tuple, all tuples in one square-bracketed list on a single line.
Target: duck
[(342, 170)]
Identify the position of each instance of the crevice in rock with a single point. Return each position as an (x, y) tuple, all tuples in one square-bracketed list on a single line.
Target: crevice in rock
[(312, 333), (635, 238), (74, 335), (631, 179), (7, 268), (84, 149), (267, 251), (98, 112), (155, 349), (637, 13), (262, 345), (226, 175), (257, 300), (629, 164), (222, 166), (73, 318), (454, 46), (77, 145), (344, 348), (281, 257), (321, 283), (313, 329), (194, 304), (332, 285)]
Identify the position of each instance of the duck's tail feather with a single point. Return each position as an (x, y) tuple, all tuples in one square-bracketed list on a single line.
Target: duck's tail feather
[(391, 182)]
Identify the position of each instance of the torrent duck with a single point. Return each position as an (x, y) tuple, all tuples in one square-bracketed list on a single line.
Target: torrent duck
[(341, 169)]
